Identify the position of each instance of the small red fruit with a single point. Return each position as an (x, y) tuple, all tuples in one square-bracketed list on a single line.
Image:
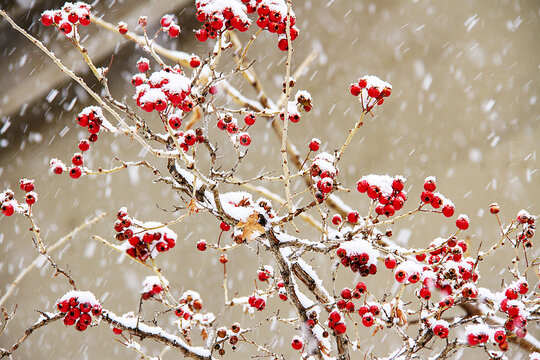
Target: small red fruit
[(195, 61), (201, 245), (462, 222), (174, 30), (297, 344)]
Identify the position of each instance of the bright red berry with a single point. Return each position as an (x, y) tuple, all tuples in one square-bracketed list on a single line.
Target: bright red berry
[(174, 30), (195, 61), (224, 226), (462, 222), (201, 245), (297, 343), (448, 210)]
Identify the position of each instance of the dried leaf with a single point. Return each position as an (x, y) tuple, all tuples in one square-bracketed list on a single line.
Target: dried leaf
[(401, 316), (192, 207), (251, 226), (204, 334)]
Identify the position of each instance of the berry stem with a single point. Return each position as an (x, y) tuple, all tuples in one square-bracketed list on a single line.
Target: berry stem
[(284, 154), (350, 137)]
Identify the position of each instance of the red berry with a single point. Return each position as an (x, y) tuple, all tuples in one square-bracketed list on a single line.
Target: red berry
[(175, 122), (429, 185), (401, 276), (250, 119), (353, 217), (245, 139), (355, 90), (66, 27), (73, 17), (511, 294), (448, 210), (425, 293), (77, 159), (346, 293), (224, 226), (426, 196), (390, 262), (201, 35), (362, 83), (201, 245), (84, 145), (367, 320), (296, 344), (283, 44), (494, 208), (362, 186), (336, 219), (462, 222), (223, 259), (166, 21), (314, 145), (374, 92), (361, 287), (122, 28), (373, 192), (195, 61), (46, 19), (75, 172), (174, 30), (117, 331), (523, 288), (340, 328)]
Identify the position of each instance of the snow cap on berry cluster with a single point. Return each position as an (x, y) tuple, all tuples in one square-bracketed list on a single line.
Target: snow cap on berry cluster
[(81, 296), (238, 204), (410, 267), (150, 281), (438, 322), (190, 294), (358, 246), (216, 7), (383, 182), (325, 162), (479, 329), (279, 6)]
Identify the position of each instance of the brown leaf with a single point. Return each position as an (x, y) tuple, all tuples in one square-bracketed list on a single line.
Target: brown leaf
[(192, 206), (250, 227), (204, 334)]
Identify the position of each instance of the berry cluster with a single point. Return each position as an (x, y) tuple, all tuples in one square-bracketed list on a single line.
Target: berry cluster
[(265, 273), (336, 322), (153, 285), (188, 138), (359, 255), (9, 205), (68, 18), (144, 240), (169, 26), (304, 100), (79, 306), (162, 90), (437, 200), (384, 189), (91, 118), (481, 333), (348, 295), (440, 328), (220, 15), (229, 124), (323, 174), (514, 307), (257, 301), (190, 303), (230, 334), (371, 91), (527, 221), (273, 17), (292, 112)]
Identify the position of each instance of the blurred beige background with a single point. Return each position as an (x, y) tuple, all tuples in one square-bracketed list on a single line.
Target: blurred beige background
[(464, 108)]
